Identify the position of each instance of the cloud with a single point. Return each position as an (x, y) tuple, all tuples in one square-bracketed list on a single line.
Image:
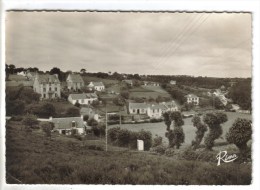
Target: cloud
[(211, 44)]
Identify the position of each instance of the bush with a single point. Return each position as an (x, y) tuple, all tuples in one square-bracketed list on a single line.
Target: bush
[(160, 149), (30, 121), (14, 107), (126, 138), (240, 133), (154, 120), (157, 141), (16, 118), (72, 112)]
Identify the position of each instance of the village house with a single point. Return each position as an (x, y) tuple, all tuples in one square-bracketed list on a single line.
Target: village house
[(173, 82), (192, 99), (68, 124), (169, 106), (98, 86), (90, 112), (151, 110), (48, 86), (149, 83), (75, 82), (30, 75), (128, 82), (84, 98)]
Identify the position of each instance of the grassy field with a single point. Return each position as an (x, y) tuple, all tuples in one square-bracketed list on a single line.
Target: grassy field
[(31, 158), (189, 130), (147, 92)]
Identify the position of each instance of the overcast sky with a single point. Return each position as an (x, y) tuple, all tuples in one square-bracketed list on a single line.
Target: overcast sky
[(198, 44)]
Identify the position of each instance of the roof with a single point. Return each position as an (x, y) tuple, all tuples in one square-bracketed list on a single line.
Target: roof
[(47, 78), (83, 96), (171, 104), (138, 105), (65, 123), (98, 83), (191, 96), (156, 106), (75, 78), (86, 111)]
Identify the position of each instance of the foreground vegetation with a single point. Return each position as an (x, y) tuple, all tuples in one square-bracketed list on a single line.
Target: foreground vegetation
[(34, 159)]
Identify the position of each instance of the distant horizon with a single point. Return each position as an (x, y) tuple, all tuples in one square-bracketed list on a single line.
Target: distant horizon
[(194, 44)]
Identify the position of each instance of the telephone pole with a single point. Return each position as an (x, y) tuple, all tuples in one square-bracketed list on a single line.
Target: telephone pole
[(106, 127)]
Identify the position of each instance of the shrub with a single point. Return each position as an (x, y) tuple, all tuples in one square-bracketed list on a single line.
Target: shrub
[(240, 133), (14, 107), (146, 136), (213, 121), (16, 118), (157, 141), (113, 134), (47, 127), (30, 120), (46, 110), (72, 112), (160, 149)]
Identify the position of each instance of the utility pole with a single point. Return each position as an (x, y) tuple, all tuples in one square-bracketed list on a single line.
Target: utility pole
[(120, 121), (106, 127)]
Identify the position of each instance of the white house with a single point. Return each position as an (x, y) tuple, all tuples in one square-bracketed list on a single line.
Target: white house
[(85, 98), (170, 106), (48, 86), (67, 124), (151, 110), (149, 83), (192, 99), (90, 112), (98, 86), (74, 82), (173, 82)]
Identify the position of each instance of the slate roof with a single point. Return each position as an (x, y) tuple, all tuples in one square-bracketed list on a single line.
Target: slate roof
[(156, 106), (98, 83), (138, 105), (191, 96), (47, 78), (66, 123), (171, 104), (83, 96), (76, 78)]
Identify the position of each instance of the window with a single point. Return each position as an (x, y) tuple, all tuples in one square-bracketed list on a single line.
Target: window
[(44, 89), (44, 95), (56, 89), (49, 88), (73, 124), (133, 110)]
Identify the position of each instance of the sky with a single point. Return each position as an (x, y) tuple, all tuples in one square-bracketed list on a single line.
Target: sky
[(196, 44)]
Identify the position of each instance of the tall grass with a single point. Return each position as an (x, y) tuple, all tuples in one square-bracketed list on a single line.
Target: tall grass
[(34, 159)]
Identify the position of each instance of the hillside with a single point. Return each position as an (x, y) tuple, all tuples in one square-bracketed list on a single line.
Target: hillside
[(34, 159)]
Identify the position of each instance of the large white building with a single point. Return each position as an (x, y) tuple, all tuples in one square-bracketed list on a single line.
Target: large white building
[(74, 82), (151, 110), (48, 86), (192, 99)]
